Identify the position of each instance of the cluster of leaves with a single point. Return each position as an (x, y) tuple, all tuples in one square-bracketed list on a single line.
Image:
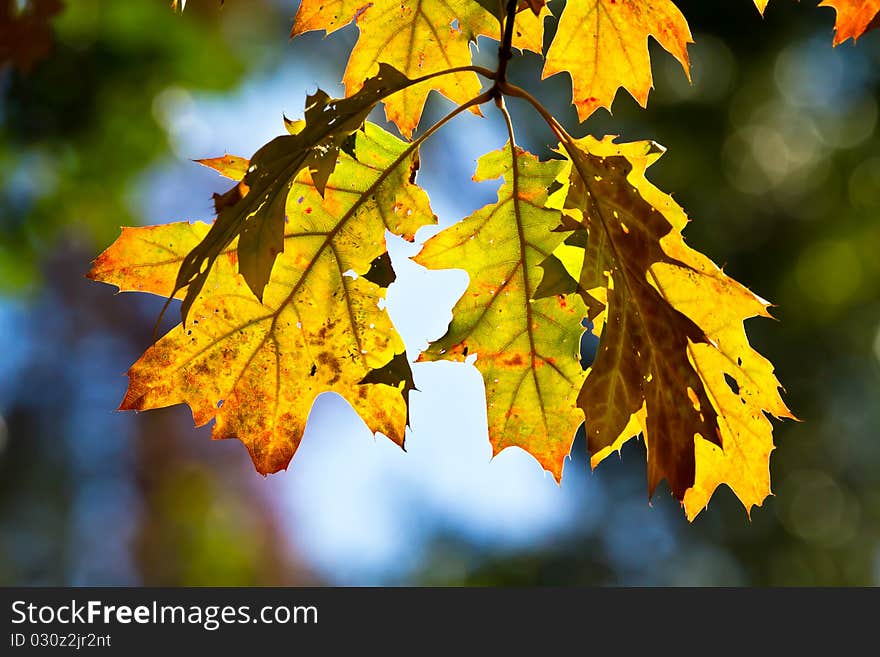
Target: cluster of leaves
[(283, 296)]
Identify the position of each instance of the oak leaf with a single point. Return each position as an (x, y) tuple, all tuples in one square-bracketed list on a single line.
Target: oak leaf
[(603, 45), (417, 37), (674, 362), (256, 366), (525, 349)]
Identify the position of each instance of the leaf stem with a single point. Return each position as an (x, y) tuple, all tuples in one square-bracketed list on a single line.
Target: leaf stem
[(505, 50), (501, 107), (479, 70), (484, 97)]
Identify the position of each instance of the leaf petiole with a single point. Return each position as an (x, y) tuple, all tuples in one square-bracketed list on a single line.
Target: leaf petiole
[(479, 70)]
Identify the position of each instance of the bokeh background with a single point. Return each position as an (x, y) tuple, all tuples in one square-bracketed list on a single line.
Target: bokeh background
[(774, 151)]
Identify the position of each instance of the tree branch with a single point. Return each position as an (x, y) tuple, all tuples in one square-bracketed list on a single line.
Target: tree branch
[(505, 51)]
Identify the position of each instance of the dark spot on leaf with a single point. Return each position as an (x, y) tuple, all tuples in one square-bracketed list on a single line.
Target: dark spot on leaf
[(516, 360), (328, 359)]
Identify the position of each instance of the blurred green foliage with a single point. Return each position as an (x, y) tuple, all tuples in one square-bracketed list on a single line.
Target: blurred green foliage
[(76, 130)]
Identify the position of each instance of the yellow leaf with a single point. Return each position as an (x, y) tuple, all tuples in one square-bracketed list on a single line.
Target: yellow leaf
[(526, 349), (738, 380), (674, 360), (603, 45), (417, 37), (761, 5), (257, 367)]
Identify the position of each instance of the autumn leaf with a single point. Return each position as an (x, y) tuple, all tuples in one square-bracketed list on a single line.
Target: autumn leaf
[(256, 366), (603, 45), (761, 5), (417, 37), (254, 209), (642, 357), (526, 350), (674, 362), (854, 17)]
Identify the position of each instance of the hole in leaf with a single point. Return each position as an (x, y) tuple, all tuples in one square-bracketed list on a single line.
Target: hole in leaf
[(731, 382)]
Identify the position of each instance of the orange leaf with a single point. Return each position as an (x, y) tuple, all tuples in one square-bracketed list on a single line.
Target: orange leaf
[(854, 17)]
